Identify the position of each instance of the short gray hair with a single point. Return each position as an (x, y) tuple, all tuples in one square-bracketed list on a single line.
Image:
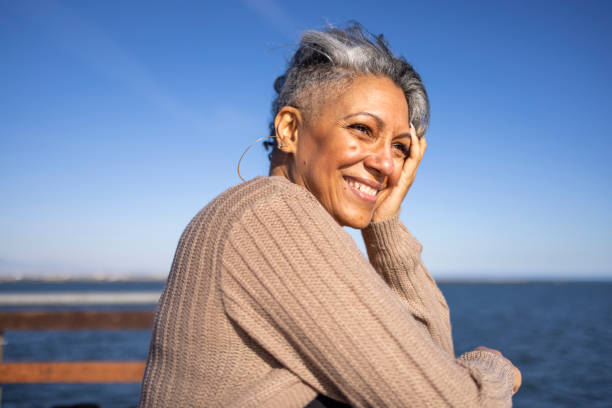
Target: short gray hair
[(326, 59)]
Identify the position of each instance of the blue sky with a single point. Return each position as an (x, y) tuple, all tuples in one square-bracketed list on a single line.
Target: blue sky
[(120, 120)]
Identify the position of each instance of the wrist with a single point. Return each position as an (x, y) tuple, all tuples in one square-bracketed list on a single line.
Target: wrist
[(382, 235), (384, 216)]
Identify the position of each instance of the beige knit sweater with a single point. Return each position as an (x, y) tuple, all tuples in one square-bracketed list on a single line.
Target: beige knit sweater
[(269, 302)]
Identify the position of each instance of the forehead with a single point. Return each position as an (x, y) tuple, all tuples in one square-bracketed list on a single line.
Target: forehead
[(376, 95)]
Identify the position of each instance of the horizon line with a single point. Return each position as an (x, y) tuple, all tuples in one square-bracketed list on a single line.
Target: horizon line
[(470, 278)]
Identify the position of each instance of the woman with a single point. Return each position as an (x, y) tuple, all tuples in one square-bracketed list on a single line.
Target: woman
[(270, 303)]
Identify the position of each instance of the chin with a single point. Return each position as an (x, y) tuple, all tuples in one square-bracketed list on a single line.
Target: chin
[(355, 220), (360, 225)]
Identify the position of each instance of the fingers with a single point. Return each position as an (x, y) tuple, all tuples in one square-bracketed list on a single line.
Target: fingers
[(423, 141), (415, 155), (415, 146), (518, 380)]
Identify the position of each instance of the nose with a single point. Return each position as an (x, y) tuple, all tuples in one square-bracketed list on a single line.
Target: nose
[(380, 160)]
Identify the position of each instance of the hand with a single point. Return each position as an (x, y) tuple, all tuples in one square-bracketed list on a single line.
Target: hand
[(390, 205), (518, 378)]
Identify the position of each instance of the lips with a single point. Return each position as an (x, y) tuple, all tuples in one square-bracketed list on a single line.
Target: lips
[(365, 191)]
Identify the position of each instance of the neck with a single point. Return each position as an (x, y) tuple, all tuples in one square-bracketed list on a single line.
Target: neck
[(281, 170), (279, 166)]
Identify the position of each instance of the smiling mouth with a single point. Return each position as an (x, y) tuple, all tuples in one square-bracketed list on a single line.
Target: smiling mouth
[(362, 190)]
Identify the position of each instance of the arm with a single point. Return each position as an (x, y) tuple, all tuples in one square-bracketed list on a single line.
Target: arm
[(396, 256), (297, 284)]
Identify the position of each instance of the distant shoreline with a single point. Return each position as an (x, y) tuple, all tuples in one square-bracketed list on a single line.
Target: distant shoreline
[(440, 280), (4, 279)]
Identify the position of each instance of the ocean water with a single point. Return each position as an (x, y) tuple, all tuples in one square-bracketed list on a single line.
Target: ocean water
[(558, 334)]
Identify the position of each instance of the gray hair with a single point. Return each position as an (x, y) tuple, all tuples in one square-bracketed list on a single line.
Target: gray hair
[(328, 59)]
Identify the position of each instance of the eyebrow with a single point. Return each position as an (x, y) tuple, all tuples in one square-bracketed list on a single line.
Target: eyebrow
[(379, 121)]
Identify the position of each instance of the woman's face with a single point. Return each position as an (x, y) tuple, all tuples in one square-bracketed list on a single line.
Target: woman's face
[(352, 153)]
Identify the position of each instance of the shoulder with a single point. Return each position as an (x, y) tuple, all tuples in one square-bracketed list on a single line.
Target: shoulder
[(290, 202), (276, 200), (281, 194), (267, 191), (274, 208), (262, 194)]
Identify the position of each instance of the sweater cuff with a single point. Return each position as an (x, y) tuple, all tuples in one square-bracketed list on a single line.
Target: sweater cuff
[(389, 234), (490, 363)]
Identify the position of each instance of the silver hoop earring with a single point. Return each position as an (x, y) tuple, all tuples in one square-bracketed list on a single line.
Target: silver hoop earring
[(247, 149)]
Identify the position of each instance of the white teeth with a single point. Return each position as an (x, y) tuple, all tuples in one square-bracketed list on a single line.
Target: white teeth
[(362, 187)]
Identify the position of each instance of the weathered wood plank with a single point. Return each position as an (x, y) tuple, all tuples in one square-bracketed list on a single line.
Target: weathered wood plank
[(72, 372), (76, 320)]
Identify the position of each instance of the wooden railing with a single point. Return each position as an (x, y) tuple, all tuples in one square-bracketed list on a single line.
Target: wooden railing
[(78, 371)]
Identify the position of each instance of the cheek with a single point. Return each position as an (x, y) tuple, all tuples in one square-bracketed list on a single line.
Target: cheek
[(353, 149), (398, 165), (338, 155), (348, 153)]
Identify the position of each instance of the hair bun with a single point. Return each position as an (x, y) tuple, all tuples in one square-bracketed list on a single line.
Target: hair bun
[(279, 82)]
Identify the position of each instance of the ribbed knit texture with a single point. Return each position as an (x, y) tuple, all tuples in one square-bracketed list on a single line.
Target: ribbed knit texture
[(269, 302)]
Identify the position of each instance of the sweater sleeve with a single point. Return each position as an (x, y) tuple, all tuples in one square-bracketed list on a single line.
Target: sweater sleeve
[(396, 255), (295, 282)]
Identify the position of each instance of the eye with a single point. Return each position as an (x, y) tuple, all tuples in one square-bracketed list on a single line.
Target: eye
[(361, 128), (402, 149)]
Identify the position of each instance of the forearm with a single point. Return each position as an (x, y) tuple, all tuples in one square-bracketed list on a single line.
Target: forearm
[(396, 255), (295, 282)]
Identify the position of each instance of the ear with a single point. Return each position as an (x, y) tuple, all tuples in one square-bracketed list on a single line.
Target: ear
[(287, 124)]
